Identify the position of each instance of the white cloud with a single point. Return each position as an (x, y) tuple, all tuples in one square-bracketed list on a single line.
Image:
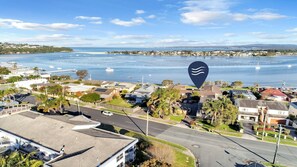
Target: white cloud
[(263, 35), (202, 12), (266, 16), (132, 37), (46, 38), (292, 30), (132, 22), (11, 23), (93, 20), (229, 34), (87, 18), (151, 16), (139, 12)]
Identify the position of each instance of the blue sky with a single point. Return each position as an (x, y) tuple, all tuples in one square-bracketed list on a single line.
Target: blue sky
[(147, 23)]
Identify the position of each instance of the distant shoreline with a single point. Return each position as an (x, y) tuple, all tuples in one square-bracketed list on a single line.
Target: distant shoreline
[(227, 53), (10, 48)]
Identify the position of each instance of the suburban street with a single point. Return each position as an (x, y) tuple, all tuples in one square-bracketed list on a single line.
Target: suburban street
[(212, 150)]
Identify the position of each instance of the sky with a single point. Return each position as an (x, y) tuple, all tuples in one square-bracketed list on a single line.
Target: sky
[(148, 23)]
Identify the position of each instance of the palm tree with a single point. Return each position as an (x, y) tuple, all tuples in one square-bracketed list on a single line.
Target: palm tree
[(63, 102), (20, 160), (221, 110)]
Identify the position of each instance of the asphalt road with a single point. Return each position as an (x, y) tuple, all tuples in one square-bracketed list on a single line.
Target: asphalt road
[(211, 150)]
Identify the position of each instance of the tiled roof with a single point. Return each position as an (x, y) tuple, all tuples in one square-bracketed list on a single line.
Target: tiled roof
[(273, 92)]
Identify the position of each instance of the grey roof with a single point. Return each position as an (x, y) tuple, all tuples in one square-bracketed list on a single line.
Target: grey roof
[(92, 146), (255, 103)]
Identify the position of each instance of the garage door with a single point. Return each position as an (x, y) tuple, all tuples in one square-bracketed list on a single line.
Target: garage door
[(275, 121)]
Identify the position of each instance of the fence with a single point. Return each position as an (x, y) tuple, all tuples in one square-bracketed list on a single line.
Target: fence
[(15, 109), (119, 108)]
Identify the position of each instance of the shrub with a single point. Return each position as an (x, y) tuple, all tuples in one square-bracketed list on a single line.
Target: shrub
[(287, 131), (162, 152), (154, 163)]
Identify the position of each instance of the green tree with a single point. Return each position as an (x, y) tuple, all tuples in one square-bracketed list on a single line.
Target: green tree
[(18, 159), (162, 101), (55, 90), (220, 111), (237, 84), (167, 82), (14, 79), (90, 97), (4, 71), (81, 74)]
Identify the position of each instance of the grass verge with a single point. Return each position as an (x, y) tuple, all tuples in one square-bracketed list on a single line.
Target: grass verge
[(120, 102), (223, 129), (177, 118), (268, 164), (271, 138), (182, 159)]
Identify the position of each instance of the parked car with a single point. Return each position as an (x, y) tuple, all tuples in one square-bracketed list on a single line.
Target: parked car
[(107, 113)]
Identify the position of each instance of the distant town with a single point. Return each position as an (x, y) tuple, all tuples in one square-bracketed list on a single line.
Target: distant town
[(10, 48), (238, 53)]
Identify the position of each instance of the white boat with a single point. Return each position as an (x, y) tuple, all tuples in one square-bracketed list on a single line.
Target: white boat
[(108, 69), (258, 67), (59, 68), (289, 66), (51, 66)]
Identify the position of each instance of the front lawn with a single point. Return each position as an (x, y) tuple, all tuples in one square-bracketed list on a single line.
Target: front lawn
[(271, 138), (177, 118), (181, 155), (120, 102), (230, 130)]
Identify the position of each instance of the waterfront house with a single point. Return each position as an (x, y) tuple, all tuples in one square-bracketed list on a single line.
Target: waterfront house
[(293, 108), (254, 110), (78, 88), (27, 84), (61, 141), (106, 94), (209, 92), (141, 94), (120, 86), (273, 94), (244, 94)]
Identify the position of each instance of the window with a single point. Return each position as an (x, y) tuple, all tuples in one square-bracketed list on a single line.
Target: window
[(121, 164), (119, 157)]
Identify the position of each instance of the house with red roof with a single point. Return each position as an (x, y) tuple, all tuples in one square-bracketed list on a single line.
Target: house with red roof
[(273, 94)]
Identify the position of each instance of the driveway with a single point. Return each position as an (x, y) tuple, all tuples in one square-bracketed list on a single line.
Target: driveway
[(248, 132)]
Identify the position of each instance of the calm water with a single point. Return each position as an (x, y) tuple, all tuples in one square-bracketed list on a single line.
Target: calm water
[(274, 70)]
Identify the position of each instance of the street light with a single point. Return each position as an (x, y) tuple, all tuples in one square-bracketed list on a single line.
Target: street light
[(147, 121), (78, 108), (277, 144)]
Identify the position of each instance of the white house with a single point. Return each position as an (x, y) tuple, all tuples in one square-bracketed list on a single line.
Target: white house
[(66, 141), (293, 108), (27, 84), (254, 110)]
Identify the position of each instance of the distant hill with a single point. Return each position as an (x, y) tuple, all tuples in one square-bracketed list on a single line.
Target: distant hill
[(10, 48)]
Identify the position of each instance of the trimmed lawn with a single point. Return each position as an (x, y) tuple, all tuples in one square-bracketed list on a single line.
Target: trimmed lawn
[(177, 118), (270, 138), (268, 164), (223, 129), (181, 158), (120, 102)]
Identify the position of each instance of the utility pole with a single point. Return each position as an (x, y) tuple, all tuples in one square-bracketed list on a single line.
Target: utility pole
[(265, 114), (147, 122), (78, 108), (277, 144)]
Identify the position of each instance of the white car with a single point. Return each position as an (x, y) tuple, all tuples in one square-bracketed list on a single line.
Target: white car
[(107, 113)]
